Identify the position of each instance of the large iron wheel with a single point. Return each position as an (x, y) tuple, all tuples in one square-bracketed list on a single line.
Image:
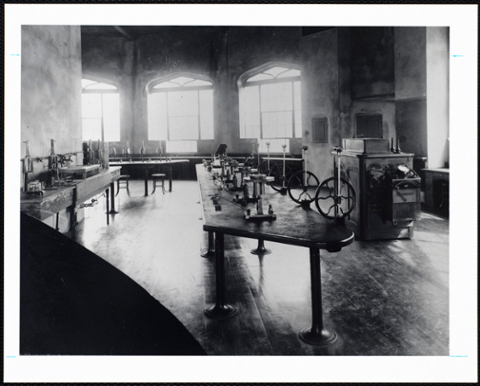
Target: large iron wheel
[(331, 204), (302, 186)]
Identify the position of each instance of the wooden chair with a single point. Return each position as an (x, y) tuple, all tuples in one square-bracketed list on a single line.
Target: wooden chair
[(123, 178), (158, 177)]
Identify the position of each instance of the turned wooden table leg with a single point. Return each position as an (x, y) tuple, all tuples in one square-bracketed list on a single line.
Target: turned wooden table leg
[(261, 250), (108, 205), (112, 198), (170, 177), (211, 246), (220, 309), (146, 181), (317, 334)]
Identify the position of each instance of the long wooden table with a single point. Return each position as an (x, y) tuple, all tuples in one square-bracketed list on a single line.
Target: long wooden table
[(149, 166), (69, 196), (293, 225)]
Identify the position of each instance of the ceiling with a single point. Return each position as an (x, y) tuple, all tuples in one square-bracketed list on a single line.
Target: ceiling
[(129, 32), (133, 31)]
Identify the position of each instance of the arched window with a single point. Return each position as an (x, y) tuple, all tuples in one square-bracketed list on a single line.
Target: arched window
[(270, 105), (180, 111), (100, 111)]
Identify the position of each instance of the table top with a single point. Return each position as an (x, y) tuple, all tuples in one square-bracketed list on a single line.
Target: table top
[(281, 159), (61, 197), (293, 225), (437, 170), (148, 163)]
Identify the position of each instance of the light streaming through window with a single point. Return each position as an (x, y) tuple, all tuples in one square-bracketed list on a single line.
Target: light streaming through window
[(100, 111), (270, 107), (180, 111)]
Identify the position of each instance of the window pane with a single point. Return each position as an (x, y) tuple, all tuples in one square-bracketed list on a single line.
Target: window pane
[(289, 73), (251, 113), (111, 117), (91, 106), (166, 85), (199, 82), (183, 128), (276, 125), (275, 71), (157, 116), (181, 146), (206, 114), (87, 82), (259, 77), (181, 80), (276, 97), (92, 129), (183, 103), (100, 86), (275, 145), (297, 95)]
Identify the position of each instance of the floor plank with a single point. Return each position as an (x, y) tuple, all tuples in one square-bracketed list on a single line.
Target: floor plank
[(387, 297)]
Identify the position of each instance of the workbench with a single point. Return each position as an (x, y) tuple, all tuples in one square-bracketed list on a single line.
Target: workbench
[(70, 195), (148, 166), (293, 225)]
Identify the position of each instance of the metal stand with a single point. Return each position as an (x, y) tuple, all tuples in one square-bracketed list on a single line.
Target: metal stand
[(211, 246), (220, 309), (261, 250), (317, 334)]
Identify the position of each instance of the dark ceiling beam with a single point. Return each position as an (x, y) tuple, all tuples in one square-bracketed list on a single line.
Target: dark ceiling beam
[(123, 32)]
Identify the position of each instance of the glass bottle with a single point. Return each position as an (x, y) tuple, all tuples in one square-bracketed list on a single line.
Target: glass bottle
[(52, 162), (90, 152), (27, 160), (142, 150), (99, 153)]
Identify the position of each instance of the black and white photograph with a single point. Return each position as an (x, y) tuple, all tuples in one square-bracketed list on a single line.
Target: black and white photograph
[(240, 193)]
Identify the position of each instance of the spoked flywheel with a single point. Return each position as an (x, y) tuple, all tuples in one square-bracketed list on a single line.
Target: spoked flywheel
[(302, 186), (334, 201)]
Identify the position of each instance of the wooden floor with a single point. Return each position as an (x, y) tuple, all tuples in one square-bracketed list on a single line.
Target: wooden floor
[(381, 297)]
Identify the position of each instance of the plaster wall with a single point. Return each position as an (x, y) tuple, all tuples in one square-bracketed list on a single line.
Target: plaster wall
[(320, 97), (438, 96), (372, 62), (51, 95), (410, 89), (51, 90)]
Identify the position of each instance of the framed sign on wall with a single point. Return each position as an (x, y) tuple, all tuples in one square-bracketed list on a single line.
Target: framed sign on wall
[(320, 130)]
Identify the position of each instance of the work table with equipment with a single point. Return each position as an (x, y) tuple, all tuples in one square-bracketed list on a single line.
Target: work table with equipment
[(70, 194), (293, 224)]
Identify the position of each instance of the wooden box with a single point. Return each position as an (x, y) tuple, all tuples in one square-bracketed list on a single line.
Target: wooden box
[(80, 172), (367, 145)]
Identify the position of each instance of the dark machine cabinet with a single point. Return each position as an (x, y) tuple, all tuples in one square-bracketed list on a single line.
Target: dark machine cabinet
[(386, 204)]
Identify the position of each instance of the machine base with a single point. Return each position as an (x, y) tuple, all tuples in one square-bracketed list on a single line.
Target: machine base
[(217, 312), (325, 338)]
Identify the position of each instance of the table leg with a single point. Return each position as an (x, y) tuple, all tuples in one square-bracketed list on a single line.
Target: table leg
[(112, 198), (261, 250), (317, 334), (170, 179), (211, 246), (146, 181), (72, 222), (220, 309), (108, 205)]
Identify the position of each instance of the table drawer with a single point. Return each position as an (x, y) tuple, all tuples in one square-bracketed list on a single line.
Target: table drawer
[(90, 186)]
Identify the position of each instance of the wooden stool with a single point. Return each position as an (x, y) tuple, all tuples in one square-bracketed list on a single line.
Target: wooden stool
[(158, 176), (123, 178)]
